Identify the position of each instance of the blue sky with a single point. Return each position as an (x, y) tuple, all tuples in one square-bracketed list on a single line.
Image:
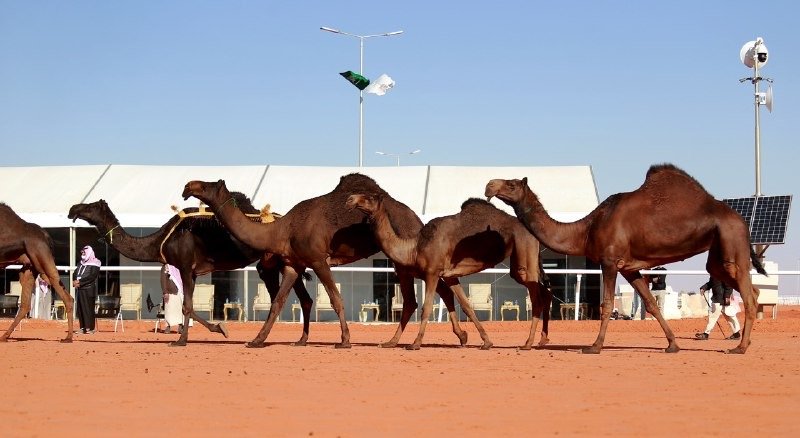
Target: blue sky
[(615, 85)]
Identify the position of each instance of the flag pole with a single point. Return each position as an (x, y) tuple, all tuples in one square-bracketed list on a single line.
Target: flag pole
[(360, 92), (361, 106)]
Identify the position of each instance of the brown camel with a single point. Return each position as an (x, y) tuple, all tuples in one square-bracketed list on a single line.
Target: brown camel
[(316, 233), (28, 244), (196, 245), (477, 238), (669, 218)]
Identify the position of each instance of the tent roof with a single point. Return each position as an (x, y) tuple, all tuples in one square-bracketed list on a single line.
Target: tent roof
[(141, 195)]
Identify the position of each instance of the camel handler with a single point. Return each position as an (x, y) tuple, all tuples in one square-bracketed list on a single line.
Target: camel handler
[(721, 302), (172, 288)]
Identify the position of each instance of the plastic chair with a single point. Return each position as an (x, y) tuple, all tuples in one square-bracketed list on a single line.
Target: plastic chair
[(109, 307)]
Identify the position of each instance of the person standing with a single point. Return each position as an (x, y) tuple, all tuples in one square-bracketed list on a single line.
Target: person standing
[(658, 286), (637, 306), (720, 303), (42, 299), (172, 288), (85, 282)]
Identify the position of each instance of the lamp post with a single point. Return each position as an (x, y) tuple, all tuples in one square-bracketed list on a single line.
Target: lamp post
[(397, 156), (361, 39)]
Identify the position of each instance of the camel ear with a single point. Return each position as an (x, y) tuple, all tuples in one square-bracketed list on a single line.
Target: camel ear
[(525, 180)]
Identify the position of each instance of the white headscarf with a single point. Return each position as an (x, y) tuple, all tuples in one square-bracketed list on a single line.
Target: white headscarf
[(88, 258), (175, 275)]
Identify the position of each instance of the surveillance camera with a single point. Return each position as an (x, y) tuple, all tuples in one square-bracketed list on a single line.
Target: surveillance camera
[(762, 55)]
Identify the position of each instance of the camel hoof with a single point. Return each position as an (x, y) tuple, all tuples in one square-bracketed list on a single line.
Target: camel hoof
[(223, 329), (591, 350), (4, 339), (737, 350), (486, 346), (299, 344), (412, 347), (343, 345), (525, 347), (388, 344), (255, 344), (463, 338), (672, 349), (177, 344), (66, 341)]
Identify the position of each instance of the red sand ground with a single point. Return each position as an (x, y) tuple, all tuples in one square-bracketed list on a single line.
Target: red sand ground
[(133, 384)]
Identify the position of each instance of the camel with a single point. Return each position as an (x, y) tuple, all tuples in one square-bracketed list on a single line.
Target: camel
[(479, 237), (196, 245), (669, 218), (317, 233), (28, 244)]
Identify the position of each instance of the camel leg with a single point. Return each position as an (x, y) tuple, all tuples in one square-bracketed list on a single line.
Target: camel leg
[(289, 277), (427, 308), (409, 306), (750, 303), (324, 275), (446, 293), (737, 275), (305, 306), (638, 283), (609, 281), (268, 272), (188, 279), (467, 308), (546, 298), (27, 280), (537, 305), (44, 263)]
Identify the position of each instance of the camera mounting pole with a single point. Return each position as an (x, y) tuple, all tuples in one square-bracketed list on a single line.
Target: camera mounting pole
[(754, 54)]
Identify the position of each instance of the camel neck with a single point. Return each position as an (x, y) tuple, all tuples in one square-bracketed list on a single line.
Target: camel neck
[(399, 250), (565, 238), (141, 249), (257, 235)]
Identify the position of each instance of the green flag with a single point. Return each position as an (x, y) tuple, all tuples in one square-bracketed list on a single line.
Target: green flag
[(356, 79)]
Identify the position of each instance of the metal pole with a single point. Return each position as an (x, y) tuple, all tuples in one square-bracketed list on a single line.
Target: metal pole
[(578, 295), (758, 124), (361, 108)]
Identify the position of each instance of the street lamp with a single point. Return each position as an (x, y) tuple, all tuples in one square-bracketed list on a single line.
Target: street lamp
[(397, 156), (361, 39)]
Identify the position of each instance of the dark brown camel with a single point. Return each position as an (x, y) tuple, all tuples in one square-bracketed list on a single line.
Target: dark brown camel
[(316, 233), (669, 218), (29, 245), (479, 237), (196, 245)]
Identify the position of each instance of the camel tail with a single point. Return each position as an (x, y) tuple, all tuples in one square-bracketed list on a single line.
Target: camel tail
[(756, 262)]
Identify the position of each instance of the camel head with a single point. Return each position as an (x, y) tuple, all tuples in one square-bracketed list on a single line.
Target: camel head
[(95, 213), (212, 193), (368, 204), (510, 191)]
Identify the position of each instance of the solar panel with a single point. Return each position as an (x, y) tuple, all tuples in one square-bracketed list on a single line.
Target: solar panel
[(767, 216), (743, 206)]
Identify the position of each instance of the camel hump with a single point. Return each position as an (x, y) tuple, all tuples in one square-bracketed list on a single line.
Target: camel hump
[(476, 202), (358, 183), (667, 173)]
